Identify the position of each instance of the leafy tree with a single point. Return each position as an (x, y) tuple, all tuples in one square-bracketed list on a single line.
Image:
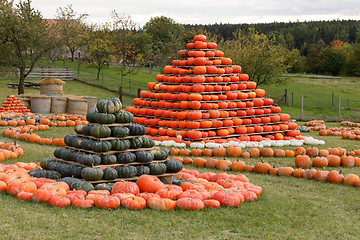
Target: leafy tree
[(71, 28), (166, 36), (129, 45), (99, 46), (332, 59), (25, 37), (258, 56)]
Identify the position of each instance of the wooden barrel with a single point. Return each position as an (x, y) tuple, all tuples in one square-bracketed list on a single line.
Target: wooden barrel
[(77, 106)]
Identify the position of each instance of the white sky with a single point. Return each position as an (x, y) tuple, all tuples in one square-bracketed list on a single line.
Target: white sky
[(208, 11)]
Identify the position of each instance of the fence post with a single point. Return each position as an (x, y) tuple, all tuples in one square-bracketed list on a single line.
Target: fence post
[(120, 93), (286, 96), (139, 90), (302, 107), (339, 107)]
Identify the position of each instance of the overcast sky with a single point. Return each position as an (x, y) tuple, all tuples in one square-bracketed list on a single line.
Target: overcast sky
[(208, 11)]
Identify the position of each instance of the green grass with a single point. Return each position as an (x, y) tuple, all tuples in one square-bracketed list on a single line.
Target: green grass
[(288, 208), (318, 98)]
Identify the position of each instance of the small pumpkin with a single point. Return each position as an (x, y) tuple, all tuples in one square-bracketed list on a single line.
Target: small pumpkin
[(157, 168), (92, 174), (126, 171), (173, 166), (110, 173)]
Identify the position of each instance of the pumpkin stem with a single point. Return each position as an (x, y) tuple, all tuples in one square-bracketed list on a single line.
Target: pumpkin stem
[(340, 171)]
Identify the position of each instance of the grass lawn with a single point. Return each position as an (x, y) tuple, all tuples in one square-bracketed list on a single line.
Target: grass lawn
[(318, 98), (288, 208)]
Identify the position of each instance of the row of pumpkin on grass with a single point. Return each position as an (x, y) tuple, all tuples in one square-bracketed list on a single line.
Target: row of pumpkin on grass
[(205, 190), (261, 167), (237, 151), (351, 133), (10, 150), (26, 133), (70, 122)]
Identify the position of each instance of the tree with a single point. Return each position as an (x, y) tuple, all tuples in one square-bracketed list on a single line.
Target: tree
[(332, 59), (25, 37), (129, 44), (71, 28), (258, 56), (99, 46), (166, 36)]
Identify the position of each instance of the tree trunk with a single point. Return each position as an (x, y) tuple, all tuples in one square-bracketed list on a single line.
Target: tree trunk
[(72, 51), (21, 82), (98, 74)]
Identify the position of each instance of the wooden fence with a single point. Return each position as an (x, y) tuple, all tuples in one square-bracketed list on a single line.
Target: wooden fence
[(60, 73)]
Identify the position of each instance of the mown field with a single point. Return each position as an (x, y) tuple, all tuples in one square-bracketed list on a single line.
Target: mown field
[(288, 208)]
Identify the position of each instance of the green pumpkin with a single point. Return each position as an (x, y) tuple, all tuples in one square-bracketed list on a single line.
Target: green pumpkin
[(66, 170), (144, 156), (147, 143), (89, 159), (91, 117), (38, 173), (74, 156), (100, 131), (110, 174), (86, 144), (69, 180), (108, 159), (109, 105), (105, 118), (160, 154), (120, 132), (120, 145), (68, 139), (58, 151), (92, 174), (157, 168), (83, 129), (127, 157), (54, 166), (117, 102), (126, 171), (137, 129), (124, 117), (104, 186), (173, 166), (44, 163), (136, 142), (103, 146), (76, 171), (76, 142), (81, 185), (140, 170), (66, 154)]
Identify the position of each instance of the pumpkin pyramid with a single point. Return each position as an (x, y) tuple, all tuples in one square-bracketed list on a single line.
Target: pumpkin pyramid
[(12, 104), (203, 96)]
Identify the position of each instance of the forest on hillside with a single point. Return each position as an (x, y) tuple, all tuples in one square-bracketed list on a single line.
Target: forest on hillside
[(324, 47)]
